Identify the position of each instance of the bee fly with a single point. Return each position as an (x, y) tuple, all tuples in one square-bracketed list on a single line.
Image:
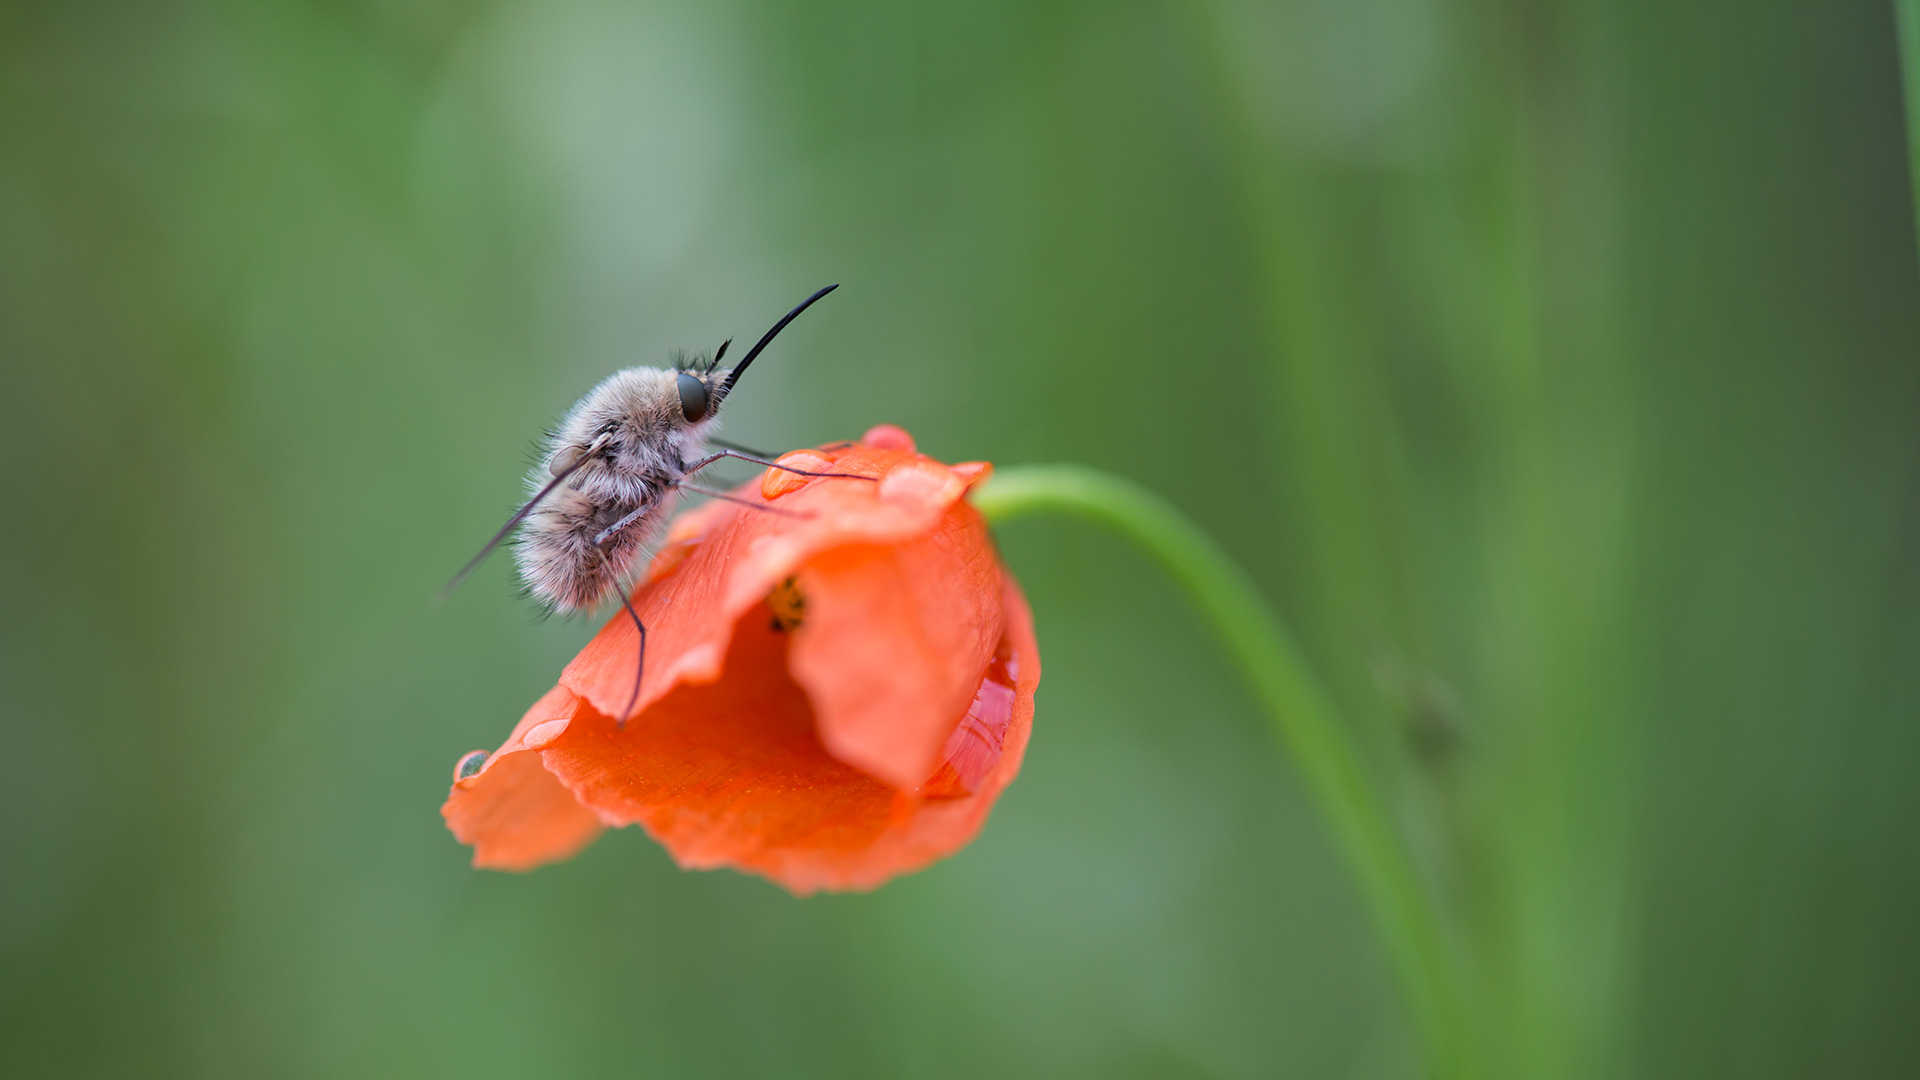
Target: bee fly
[(608, 475)]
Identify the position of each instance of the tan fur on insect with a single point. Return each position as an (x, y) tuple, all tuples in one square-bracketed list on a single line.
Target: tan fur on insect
[(639, 444)]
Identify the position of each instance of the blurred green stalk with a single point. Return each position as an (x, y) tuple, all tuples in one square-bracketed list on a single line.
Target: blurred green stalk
[(1301, 713), (1907, 12)]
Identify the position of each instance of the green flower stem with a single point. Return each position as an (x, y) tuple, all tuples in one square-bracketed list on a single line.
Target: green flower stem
[(1907, 12), (1302, 714)]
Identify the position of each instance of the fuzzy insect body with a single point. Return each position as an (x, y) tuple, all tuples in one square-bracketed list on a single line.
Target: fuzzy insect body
[(627, 447)]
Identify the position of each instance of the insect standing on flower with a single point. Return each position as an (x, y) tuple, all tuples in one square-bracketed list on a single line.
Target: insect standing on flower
[(608, 476)]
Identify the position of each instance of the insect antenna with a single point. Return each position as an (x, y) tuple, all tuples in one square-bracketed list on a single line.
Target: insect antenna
[(518, 516), (734, 375)]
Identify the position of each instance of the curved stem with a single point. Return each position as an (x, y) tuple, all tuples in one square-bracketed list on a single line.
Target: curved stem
[(1301, 713), (1907, 19)]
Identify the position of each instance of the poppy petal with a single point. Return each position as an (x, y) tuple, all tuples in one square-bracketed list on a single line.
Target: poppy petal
[(894, 643), (514, 813)]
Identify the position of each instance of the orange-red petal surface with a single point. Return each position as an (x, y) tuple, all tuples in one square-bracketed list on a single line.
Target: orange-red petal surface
[(895, 641)]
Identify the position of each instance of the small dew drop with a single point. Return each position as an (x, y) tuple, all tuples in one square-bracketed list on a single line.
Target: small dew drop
[(543, 733), (469, 765), (778, 482)]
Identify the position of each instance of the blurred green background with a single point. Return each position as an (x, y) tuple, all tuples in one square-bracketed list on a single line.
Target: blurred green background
[(1551, 365)]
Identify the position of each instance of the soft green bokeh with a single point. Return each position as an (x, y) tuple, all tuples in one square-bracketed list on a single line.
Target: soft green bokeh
[(1551, 365)]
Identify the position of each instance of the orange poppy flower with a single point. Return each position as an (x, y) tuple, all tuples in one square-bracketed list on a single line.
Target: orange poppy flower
[(832, 696)]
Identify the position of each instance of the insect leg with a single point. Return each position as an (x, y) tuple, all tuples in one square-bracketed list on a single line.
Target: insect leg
[(696, 466), (600, 538), (749, 503), (640, 666), (737, 446)]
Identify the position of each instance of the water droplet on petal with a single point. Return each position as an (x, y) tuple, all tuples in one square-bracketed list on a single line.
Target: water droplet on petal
[(541, 734), (778, 482), (469, 764)]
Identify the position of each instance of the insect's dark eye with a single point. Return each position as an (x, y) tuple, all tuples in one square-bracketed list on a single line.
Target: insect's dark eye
[(693, 398)]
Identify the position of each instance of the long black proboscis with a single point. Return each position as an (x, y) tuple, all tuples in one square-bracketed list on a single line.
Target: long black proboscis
[(518, 516), (734, 375)]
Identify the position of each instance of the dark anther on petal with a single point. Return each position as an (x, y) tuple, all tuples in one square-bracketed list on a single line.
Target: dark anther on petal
[(789, 607)]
